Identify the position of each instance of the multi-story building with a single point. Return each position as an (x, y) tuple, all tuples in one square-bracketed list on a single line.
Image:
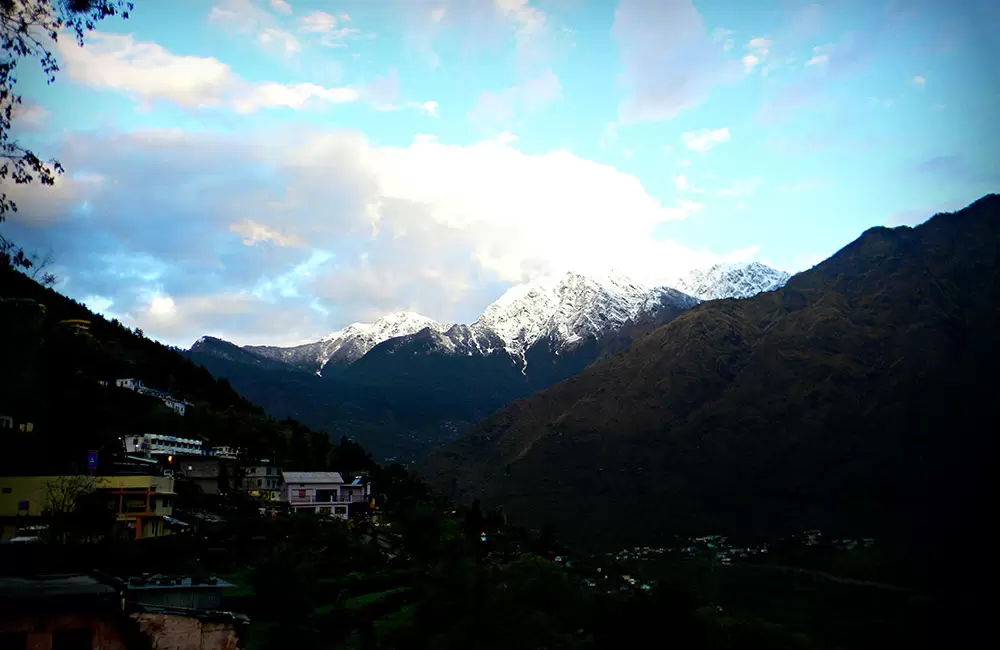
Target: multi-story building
[(262, 481), (323, 492), (205, 472), (140, 502), (160, 445)]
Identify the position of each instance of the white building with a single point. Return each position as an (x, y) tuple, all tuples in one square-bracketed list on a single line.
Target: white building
[(178, 406), (225, 451), (324, 493), (155, 444)]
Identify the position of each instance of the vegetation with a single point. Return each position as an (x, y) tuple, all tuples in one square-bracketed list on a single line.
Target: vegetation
[(426, 573), (851, 400), (53, 378)]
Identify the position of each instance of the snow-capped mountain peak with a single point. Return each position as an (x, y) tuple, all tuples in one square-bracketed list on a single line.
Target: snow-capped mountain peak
[(346, 346), (559, 309), (565, 308), (741, 280)]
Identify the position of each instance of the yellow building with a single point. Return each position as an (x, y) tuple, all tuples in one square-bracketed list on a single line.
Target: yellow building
[(139, 502)]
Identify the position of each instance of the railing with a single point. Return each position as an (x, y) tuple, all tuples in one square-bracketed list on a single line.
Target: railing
[(308, 501)]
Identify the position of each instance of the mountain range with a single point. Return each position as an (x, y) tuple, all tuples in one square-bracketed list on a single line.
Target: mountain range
[(854, 399), (405, 383)]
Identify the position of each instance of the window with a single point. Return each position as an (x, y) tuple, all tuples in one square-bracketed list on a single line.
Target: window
[(340, 510), (6, 490), (326, 496), (323, 510), (300, 494)]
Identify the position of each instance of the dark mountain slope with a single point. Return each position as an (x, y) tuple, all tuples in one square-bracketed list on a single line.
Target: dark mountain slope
[(410, 394), (854, 398), (52, 373)]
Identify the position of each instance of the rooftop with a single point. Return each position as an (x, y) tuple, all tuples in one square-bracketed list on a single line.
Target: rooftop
[(48, 587), (313, 477), (174, 582)]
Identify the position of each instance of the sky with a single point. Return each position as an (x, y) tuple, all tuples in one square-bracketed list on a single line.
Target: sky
[(268, 171)]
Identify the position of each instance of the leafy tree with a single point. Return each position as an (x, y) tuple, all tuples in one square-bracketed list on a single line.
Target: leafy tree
[(75, 508), (26, 29)]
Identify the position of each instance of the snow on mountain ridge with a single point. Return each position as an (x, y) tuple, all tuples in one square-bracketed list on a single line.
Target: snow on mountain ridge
[(351, 343), (741, 280), (564, 309)]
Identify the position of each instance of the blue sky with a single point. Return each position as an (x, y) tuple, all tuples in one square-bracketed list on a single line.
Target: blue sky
[(269, 171)]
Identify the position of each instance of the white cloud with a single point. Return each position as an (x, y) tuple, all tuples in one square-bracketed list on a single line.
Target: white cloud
[(720, 34), (609, 135), (441, 225), (330, 30), (758, 48), (821, 55), (246, 17), (683, 185), (705, 139), (531, 26), (255, 234), (684, 163), (480, 23), (317, 22), (28, 116), (728, 45), (918, 81), (272, 35), (669, 62), (428, 107), (533, 94), (242, 15), (149, 72), (741, 188), (162, 307)]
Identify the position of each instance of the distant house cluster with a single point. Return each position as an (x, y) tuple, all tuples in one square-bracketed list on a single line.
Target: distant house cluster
[(175, 404), (224, 469), (10, 423)]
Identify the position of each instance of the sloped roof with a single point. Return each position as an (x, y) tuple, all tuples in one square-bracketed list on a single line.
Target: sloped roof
[(313, 477)]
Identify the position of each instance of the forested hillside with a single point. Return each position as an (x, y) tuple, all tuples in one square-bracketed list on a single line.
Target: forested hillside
[(52, 378)]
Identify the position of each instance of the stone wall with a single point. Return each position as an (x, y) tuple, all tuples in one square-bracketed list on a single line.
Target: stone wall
[(169, 631)]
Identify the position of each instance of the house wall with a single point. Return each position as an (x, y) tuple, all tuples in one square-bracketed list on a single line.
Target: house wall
[(39, 632), (177, 632), (344, 495)]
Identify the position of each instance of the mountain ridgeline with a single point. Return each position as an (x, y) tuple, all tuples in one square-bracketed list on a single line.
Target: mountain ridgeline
[(856, 398), (405, 384)]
